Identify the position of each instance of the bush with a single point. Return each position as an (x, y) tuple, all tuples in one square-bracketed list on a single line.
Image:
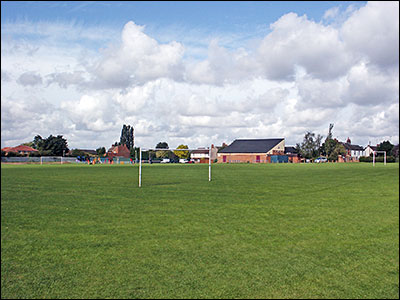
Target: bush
[(35, 154), (378, 159), (14, 154), (365, 159)]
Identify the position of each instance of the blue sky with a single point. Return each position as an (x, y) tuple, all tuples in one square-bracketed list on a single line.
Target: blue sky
[(250, 19), (198, 72), (223, 14)]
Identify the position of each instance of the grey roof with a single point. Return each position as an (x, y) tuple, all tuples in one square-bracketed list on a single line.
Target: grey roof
[(251, 146), (352, 147), (372, 147), (290, 149)]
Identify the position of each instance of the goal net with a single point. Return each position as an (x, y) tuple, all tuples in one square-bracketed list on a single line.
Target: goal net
[(174, 150)]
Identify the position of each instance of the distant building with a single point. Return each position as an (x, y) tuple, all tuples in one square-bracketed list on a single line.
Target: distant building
[(293, 155), (202, 155), (21, 149), (118, 151), (353, 152), (254, 151), (369, 149)]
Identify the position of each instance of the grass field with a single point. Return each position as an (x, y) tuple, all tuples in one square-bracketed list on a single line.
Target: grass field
[(254, 231)]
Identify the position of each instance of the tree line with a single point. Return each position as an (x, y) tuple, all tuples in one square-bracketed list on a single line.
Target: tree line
[(331, 148)]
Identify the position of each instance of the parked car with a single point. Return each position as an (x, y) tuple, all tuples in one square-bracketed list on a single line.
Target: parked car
[(321, 160), (183, 161), (165, 160)]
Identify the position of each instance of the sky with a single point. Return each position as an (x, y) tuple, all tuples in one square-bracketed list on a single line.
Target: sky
[(199, 72)]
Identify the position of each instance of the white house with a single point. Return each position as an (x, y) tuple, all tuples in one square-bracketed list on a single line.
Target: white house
[(369, 149), (354, 151), (201, 155)]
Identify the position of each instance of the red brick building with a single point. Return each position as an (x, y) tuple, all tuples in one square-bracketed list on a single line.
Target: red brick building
[(253, 151), (21, 149), (118, 151)]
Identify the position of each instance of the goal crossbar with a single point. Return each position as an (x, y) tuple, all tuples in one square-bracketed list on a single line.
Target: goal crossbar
[(175, 149)]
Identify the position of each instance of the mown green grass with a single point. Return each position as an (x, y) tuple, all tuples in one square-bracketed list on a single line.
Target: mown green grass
[(254, 231)]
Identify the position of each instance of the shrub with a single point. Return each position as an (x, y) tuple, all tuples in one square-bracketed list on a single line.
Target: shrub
[(14, 154), (35, 154), (365, 159), (379, 159)]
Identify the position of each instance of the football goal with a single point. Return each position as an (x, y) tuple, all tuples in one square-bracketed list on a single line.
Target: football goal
[(163, 149), (374, 155)]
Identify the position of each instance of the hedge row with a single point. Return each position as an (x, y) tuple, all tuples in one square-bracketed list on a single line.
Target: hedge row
[(389, 159)]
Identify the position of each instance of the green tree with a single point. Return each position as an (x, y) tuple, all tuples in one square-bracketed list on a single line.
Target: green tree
[(310, 146), (101, 151), (77, 152), (338, 150), (57, 145), (29, 144), (53, 145), (134, 153), (182, 154), (330, 144), (385, 146), (38, 142), (162, 154), (127, 136)]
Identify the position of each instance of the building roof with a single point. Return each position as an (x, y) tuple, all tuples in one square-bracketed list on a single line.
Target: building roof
[(90, 151), (372, 147), (353, 147), (251, 146), (20, 148), (201, 151), (120, 150), (290, 149), (7, 149)]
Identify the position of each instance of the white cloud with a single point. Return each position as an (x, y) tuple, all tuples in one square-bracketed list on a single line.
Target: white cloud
[(29, 78), (91, 112), (65, 79), (373, 32), (223, 66), (331, 13), (367, 85), (138, 59), (296, 41)]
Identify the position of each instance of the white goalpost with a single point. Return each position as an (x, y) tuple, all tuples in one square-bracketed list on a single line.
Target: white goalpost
[(163, 149), (373, 160)]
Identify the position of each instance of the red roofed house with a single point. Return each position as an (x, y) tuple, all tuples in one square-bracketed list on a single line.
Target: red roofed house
[(21, 149), (121, 151)]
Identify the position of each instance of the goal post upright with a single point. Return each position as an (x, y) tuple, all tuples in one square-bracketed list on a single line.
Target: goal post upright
[(140, 167), (176, 149), (209, 164)]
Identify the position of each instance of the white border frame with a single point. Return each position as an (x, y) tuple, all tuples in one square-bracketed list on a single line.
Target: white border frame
[(163, 149)]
